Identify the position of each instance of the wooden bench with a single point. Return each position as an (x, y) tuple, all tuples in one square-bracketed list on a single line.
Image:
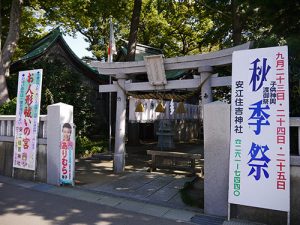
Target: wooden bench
[(173, 160)]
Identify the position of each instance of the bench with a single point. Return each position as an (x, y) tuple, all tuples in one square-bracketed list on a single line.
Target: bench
[(173, 160)]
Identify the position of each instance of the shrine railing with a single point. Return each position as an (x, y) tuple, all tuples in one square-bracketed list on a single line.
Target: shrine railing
[(295, 122), (7, 128)]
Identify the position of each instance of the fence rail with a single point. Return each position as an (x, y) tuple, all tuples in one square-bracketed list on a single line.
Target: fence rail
[(7, 128), (295, 122)]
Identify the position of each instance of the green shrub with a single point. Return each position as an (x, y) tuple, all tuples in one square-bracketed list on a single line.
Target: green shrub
[(9, 108), (86, 147), (96, 149)]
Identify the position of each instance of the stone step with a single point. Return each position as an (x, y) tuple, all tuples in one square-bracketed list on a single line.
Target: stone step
[(207, 220), (241, 222)]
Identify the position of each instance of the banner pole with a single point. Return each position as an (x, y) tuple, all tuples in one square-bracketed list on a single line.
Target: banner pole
[(228, 213), (36, 155), (73, 157), (35, 170)]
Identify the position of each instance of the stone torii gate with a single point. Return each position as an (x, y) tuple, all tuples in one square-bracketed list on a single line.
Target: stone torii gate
[(155, 67)]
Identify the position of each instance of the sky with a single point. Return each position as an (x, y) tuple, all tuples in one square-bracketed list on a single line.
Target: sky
[(78, 45)]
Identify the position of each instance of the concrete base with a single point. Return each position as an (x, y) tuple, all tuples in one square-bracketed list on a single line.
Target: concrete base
[(216, 157), (295, 196), (57, 113), (240, 222), (6, 164), (119, 163)]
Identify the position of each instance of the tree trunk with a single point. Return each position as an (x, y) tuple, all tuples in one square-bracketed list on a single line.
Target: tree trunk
[(9, 47), (236, 24), (135, 20)]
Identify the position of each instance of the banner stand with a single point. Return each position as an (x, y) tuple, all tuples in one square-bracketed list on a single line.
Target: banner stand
[(288, 222), (37, 149), (228, 215), (35, 170)]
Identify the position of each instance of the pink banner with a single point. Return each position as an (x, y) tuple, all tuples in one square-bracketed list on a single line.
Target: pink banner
[(67, 153), (27, 119)]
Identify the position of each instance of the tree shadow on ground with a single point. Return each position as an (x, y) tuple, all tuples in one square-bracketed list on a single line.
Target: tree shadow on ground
[(26, 206)]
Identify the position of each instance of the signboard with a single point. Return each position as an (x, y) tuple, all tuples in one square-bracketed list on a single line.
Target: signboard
[(67, 153), (259, 173), (27, 119)]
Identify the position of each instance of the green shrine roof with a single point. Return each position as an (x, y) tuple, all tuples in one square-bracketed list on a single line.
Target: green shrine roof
[(42, 45), (47, 42)]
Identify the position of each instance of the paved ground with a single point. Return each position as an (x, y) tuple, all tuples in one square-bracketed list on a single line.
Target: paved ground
[(102, 197), (35, 205), (161, 187), (29, 203), (144, 186)]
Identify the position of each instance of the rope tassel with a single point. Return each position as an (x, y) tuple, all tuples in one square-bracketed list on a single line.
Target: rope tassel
[(160, 108), (180, 109)]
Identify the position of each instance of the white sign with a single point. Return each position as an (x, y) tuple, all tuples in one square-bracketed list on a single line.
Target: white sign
[(259, 173), (67, 153), (27, 119)]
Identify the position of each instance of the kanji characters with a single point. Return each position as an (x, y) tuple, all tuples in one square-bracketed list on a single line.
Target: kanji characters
[(258, 161), (259, 73)]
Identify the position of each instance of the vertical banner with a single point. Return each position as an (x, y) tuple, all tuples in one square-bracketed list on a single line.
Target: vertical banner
[(259, 173), (67, 153), (27, 119)]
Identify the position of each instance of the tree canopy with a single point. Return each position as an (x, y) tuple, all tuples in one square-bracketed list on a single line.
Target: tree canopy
[(178, 27)]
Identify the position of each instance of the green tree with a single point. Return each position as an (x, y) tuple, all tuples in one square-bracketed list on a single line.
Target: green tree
[(283, 20), (234, 21), (90, 18), (9, 46), (134, 26), (174, 26), (178, 27), (19, 21)]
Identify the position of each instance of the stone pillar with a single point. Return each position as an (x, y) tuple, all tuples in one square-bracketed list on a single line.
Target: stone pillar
[(216, 157), (205, 71), (57, 114), (119, 155)]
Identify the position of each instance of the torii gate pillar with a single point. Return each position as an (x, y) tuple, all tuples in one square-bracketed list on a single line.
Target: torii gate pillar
[(119, 155), (205, 72)]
